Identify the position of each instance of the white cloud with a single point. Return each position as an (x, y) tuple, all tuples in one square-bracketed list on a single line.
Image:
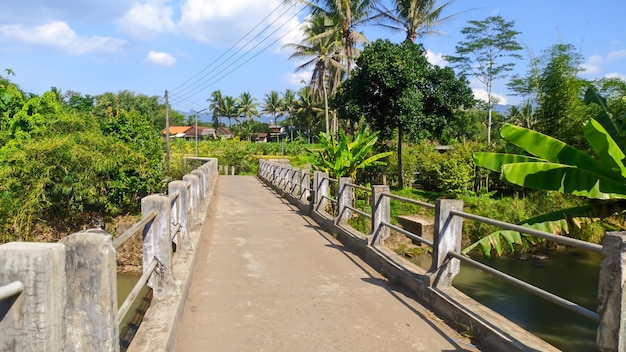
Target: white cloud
[(60, 36), (616, 75), (593, 65), (481, 94), (225, 22), (144, 21), (616, 55), (296, 79), (436, 59), (160, 58)]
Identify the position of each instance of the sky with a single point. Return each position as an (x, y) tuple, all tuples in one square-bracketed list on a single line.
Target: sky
[(191, 48)]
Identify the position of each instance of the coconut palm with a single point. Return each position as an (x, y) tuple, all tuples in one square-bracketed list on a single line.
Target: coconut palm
[(416, 18), (307, 110), (322, 49), (247, 107), (230, 108), (289, 107), (216, 106), (272, 105)]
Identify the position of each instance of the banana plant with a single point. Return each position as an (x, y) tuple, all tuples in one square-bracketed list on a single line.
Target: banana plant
[(344, 155), (556, 166)]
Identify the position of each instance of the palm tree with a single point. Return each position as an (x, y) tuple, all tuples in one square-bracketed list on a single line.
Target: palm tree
[(216, 106), (307, 110), (231, 108), (289, 107), (273, 105), (247, 106), (323, 50), (416, 18)]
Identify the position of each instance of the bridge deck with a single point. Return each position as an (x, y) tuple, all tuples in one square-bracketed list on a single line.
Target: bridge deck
[(268, 279)]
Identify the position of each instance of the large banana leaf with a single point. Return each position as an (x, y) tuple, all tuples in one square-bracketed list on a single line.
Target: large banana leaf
[(609, 152), (552, 149), (494, 161), (564, 178)]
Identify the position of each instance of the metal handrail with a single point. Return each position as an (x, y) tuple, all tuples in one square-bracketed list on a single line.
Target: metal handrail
[(409, 200), (408, 234), (11, 289), (358, 211), (132, 296), (568, 241), (358, 187), (175, 231), (119, 241), (530, 288)]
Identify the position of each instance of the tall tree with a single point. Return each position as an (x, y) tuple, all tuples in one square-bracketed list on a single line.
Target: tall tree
[(247, 107), (322, 49), (307, 111), (289, 107), (395, 87), (416, 18), (484, 53), (231, 108), (216, 106), (272, 105)]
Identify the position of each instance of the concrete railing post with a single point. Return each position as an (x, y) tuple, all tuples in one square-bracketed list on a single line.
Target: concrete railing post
[(295, 182), (288, 173), (320, 189), (90, 320), (194, 192), (33, 320), (158, 244), (381, 212), (201, 184), (305, 184), (182, 210), (344, 198), (611, 285), (447, 235)]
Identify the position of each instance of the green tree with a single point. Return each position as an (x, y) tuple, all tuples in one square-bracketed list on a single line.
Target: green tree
[(553, 165), (247, 106), (416, 18), (230, 108), (272, 105), (488, 43), (322, 49), (395, 87), (216, 107)]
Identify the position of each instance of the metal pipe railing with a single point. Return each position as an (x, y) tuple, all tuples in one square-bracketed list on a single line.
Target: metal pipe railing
[(120, 240), (11, 289), (568, 241), (132, 296), (530, 288), (409, 200)]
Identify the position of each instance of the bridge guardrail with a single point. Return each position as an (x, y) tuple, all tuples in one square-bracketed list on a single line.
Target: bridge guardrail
[(69, 300), (446, 256)]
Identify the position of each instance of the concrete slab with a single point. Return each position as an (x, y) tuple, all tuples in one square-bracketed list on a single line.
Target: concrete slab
[(268, 279)]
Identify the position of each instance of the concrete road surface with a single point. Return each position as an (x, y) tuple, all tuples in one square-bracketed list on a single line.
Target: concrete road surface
[(268, 279)]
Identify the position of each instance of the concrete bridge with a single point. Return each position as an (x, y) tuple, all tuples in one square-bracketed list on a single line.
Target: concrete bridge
[(260, 265)]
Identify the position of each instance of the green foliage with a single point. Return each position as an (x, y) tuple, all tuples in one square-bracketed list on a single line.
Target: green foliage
[(58, 164), (556, 166), (345, 155)]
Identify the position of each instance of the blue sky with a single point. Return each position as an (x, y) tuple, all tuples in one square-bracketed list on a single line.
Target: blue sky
[(149, 46)]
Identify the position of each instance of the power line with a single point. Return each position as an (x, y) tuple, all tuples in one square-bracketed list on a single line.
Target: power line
[(214, 79), (187, 86)]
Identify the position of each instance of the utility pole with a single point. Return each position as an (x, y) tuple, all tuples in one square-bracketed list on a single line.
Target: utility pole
[(167, 130)]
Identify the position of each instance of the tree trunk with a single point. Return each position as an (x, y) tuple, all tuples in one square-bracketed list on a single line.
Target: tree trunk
[(400, 178)]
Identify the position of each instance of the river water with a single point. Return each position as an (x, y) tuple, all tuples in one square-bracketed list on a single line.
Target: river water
[(572, 274)]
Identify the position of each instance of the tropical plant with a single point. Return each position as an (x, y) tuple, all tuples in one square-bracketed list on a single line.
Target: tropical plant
[(395, 87), (487, 43), (322, 49), (272, 105), (216, 107), (230, 108), (416, 18), (556, 166), (344, 155)]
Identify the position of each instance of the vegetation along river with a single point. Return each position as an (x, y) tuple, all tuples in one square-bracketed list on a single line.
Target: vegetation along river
[(572, 274)]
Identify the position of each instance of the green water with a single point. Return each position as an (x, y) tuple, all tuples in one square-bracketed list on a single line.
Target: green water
[(571, 274)]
